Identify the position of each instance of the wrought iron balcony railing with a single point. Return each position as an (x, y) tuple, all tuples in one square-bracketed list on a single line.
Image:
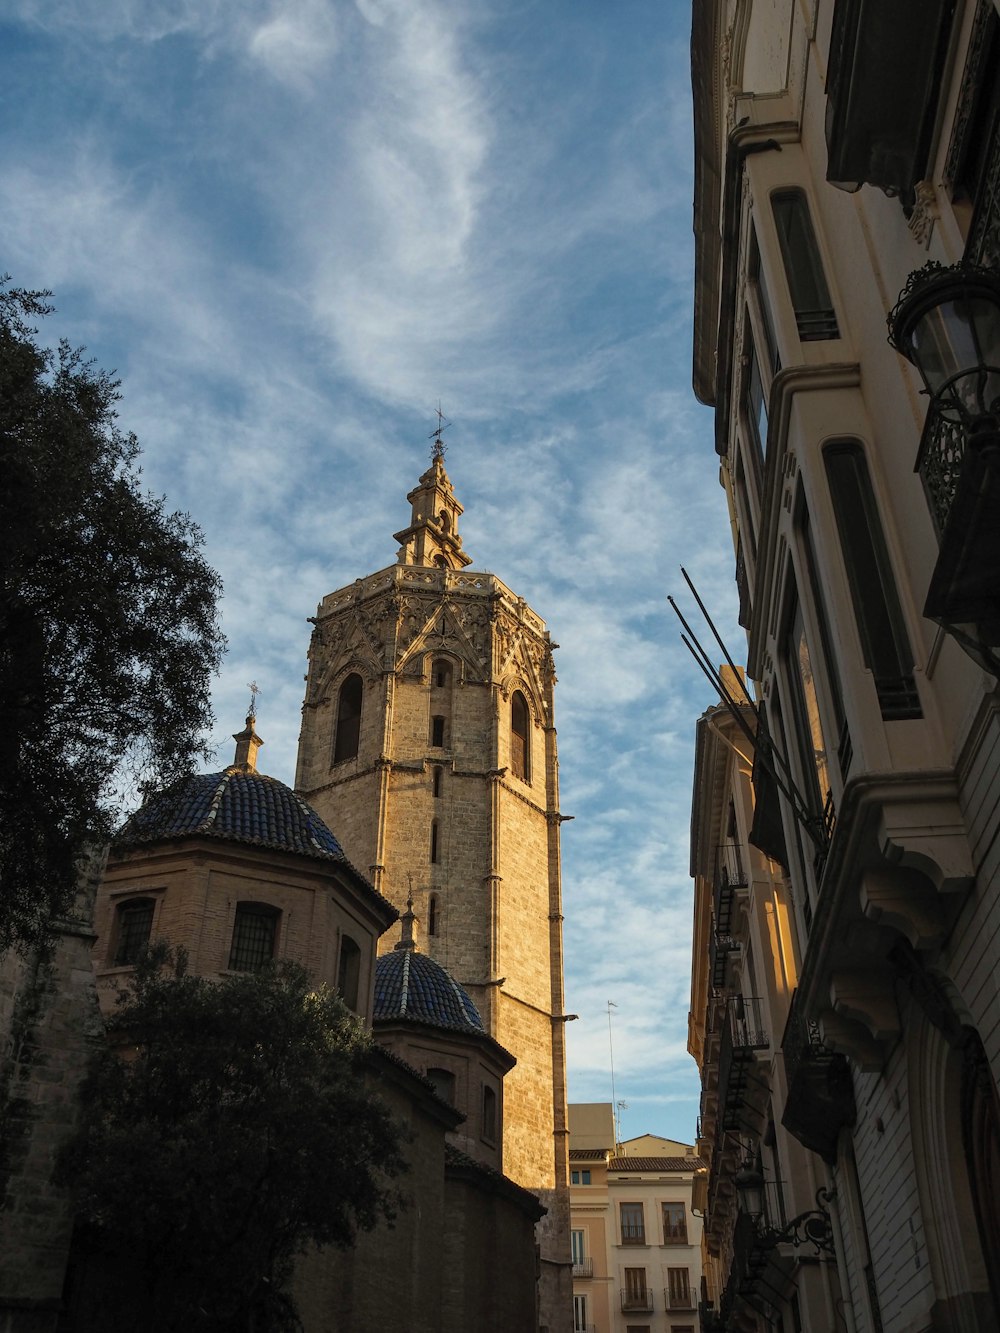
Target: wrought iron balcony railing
[(820, 1101), (742, 1035), (583, 1268), (730, 875), (633, 1233), (637, 1300), (681, 1299), (720, 950)]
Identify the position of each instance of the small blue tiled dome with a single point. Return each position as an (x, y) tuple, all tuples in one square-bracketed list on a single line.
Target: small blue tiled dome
[(412, 986), (237, 805)]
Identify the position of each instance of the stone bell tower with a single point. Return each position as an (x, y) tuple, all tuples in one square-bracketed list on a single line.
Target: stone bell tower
[(428, 744)]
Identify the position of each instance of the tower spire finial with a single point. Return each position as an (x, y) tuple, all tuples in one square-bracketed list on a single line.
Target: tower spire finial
[(432, 538), (438, 448), (406, 940), (247, 740)]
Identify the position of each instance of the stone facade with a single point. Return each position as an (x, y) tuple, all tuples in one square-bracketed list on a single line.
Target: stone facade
[(448, 793), (845, 992), (49, 1024)]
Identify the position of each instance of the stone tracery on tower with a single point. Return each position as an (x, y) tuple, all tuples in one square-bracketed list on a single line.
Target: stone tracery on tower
[(446, 796)]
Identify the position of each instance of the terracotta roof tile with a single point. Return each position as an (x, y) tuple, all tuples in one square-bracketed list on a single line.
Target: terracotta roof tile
[(661, 1165)]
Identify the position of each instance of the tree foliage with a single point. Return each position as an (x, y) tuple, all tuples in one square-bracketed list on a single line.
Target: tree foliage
[(226, 1126), (108, 629)]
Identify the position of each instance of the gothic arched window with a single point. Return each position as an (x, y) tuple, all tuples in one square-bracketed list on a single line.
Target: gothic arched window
[(520, 738), (348, 718)]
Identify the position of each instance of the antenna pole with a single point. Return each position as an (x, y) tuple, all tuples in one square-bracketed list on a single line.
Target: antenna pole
[(611, 1052)]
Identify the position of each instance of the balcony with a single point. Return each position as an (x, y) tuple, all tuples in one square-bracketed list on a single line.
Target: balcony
[(883, 78), (583, 1268), (710, 1319), (633, 1233), (729, 876), (637, 1301), (820, 1100), (720, 950), (741, 1090), (679, 1300)]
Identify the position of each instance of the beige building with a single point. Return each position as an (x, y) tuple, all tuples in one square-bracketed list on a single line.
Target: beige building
[(428, 742), (844, 990), (635, 1233)]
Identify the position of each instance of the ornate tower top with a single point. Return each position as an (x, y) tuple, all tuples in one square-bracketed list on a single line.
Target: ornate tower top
[(432, 537)]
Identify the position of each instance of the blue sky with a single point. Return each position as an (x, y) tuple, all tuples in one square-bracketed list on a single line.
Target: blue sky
[(293, 226)]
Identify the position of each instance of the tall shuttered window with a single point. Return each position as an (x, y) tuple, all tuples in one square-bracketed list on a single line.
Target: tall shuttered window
[(885, 644), (810, 296)]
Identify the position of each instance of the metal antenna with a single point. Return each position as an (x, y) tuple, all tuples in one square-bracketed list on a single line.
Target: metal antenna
[(438, 449), (611, 1051)]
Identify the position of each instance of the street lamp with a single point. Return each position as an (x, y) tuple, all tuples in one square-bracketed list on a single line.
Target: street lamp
[(947, 324), (813, 1227)]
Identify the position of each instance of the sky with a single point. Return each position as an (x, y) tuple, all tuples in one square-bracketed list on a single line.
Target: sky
[(293, 228)]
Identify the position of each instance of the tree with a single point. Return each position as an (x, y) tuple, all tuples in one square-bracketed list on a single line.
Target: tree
[(226, 1126), (108, 629)]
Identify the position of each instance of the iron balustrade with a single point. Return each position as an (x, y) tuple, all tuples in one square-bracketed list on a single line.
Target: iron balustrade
[(633, 1233), (729, 876), (720, 949), (583, 1268), (820, 1100), (682, 1299), (742, 1035), (638, 1300)]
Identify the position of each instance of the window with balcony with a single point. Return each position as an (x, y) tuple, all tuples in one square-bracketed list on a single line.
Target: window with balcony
[(133, 923), (675, 1224), (633, 1224), (348, 733), (635, 1293), (582, 1266), (885, 644), (807, 289), (678, 1291), (255, 930)]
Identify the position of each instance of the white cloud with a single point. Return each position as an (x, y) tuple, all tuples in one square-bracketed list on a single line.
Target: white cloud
[(296, 41)]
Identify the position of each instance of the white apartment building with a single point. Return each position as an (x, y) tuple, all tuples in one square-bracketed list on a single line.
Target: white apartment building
[(636, 1238)]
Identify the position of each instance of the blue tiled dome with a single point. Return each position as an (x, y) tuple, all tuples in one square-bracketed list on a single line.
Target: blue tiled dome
[(236, 805), (410, 985)]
